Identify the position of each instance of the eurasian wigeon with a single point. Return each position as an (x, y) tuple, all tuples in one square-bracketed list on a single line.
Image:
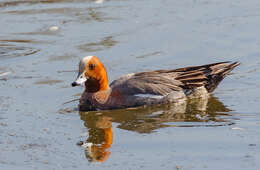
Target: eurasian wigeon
[(146, 88)]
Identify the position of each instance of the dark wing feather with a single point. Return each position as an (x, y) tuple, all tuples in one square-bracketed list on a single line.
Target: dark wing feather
[(154, 82), (162, 82), (208, 76)]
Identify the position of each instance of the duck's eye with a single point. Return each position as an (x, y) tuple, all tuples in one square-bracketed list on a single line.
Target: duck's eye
[(91, 66)]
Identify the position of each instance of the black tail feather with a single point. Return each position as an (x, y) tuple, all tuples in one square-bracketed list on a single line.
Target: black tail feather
[(208, 76)]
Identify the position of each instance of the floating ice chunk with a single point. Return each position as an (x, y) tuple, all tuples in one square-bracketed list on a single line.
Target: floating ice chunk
[(5, 73), (237, 128), (54, 28), (99, 1)]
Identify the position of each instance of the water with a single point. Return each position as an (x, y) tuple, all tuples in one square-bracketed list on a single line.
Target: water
[(41, 42)]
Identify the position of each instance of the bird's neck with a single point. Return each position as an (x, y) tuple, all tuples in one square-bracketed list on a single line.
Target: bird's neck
[(94, 85), (104, 84)]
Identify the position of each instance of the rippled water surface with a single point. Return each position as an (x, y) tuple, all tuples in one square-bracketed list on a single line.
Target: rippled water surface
[(41, 42)]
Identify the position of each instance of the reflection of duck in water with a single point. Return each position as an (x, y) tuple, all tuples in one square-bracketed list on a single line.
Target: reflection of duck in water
[(145, 120), (97, 146), (146, 88)]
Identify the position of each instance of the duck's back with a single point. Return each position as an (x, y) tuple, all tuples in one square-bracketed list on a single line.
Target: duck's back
[(171, 85)]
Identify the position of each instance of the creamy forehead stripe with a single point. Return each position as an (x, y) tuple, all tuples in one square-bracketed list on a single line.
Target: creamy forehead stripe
[(86, 59), (83, 62)]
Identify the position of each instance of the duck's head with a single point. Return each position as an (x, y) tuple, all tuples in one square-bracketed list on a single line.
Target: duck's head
[(93, 73)]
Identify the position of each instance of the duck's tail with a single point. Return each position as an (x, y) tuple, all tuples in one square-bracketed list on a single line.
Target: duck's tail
[(208, 76)]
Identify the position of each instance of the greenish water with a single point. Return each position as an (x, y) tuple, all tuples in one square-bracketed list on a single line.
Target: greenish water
[(42, 41)]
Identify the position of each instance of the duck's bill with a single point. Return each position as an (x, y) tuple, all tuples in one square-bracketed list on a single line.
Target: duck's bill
[(81, 79)]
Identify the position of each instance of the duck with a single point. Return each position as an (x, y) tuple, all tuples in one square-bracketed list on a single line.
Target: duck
[(146, 88)]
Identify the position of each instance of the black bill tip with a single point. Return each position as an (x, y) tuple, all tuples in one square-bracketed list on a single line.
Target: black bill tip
[(74, 84)]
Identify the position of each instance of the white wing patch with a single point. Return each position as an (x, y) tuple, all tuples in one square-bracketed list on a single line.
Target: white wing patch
[(149, 96), (130, 75)]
